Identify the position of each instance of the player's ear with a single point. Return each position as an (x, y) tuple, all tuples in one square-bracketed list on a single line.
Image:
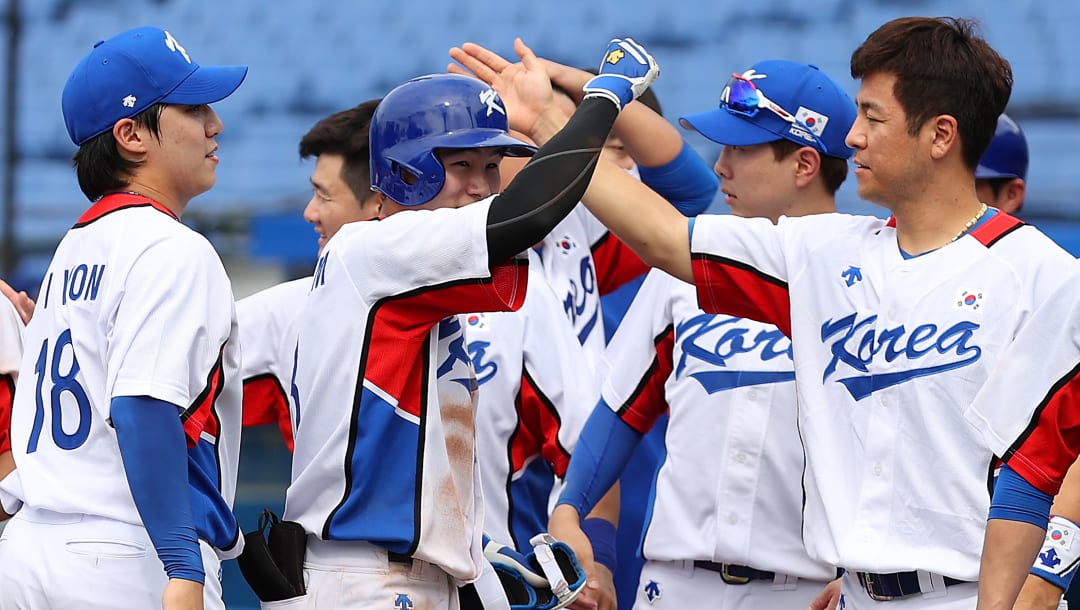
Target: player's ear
[(128, 137), (807, 166), (944, 134), (1013, 196)]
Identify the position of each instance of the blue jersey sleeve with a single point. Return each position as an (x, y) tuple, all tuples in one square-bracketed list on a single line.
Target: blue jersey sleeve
[(686, 181), (603, 449), (1015, 499), (154, 452)]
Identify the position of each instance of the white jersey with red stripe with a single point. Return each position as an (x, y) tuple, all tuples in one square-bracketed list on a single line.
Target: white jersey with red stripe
[(11, 336), (582, 261), (535, 395), (134, 303), (1027, 411), (384, 387), (733, 495), (267, 322), (889, 352)]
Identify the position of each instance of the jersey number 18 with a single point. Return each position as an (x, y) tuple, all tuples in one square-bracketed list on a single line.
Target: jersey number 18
[(61, 382)]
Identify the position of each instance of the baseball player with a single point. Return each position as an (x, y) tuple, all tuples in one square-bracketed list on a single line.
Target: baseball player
[(126, 421), (533, 392), (581, 260), (725, 528), (646, 145), (895, 324), (341, 193), (389, 495), (11, 333), (1000, 174)]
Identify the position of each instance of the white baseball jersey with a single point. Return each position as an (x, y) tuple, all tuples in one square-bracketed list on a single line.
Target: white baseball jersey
[(733, 494), (1027, 411), (267, 335), (11, 334), (889, 352), (582, 260), (535, 395), (384, 387), (133, 304)]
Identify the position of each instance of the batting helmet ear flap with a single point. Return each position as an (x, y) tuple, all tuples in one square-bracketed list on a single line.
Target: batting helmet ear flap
[(427, 113)]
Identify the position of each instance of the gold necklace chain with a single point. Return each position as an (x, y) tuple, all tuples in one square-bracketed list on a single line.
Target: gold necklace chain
[(970, 223)]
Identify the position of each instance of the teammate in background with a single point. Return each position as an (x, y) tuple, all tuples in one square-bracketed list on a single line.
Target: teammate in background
[(341, 193), (1000, 174), (583, 262), (393, 488), (896, 324), (12, 325), (728, 528), (126, 423)]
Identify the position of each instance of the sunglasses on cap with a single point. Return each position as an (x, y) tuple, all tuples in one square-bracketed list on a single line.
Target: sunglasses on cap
[(741, 96)]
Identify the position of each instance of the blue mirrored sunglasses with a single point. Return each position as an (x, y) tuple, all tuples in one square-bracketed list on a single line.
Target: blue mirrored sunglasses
[(741, 96)]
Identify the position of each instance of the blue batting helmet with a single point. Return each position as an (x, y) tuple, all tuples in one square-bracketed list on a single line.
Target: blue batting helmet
[(428, 113), (1007, 154)]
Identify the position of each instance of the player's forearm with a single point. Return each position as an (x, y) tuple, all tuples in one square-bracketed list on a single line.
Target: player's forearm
[(551, 184), (647, 136), (1008, 552), (154, 453), (642, 219), (603, 449), (1038, 594)]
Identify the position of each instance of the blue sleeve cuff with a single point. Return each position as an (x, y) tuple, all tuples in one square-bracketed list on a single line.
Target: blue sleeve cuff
[(1015, 499), (601, 534), (686, 181), (154, 453), (603, 449)]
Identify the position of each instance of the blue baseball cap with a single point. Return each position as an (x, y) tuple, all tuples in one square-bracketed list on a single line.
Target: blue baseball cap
[(1007, 154), (128, 73), (819, 113)]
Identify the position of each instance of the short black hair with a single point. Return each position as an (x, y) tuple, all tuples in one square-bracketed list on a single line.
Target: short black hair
[(101, 168), (345, 133)]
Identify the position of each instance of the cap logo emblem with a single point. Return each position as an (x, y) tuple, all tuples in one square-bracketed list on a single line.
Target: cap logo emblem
[(129, 101), (175, 46), (491, 99)]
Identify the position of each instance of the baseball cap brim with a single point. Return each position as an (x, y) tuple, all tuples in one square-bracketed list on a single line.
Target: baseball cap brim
[(725, 128), (983, 172), (206, 85)]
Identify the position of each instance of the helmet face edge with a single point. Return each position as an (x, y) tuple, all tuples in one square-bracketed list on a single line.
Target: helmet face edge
[(427, 113)]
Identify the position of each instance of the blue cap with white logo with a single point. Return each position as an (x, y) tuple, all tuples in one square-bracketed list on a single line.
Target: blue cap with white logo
[(780, 99), (128, 73)]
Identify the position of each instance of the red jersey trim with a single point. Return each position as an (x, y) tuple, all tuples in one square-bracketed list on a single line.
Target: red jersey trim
[(616, 263), (201, 416), (1048, 447), (537, 431), (399, 325), (995, 228), (265, 402), (726, 286), (990, 232), (7, 394), (648, 401), (116, 202)]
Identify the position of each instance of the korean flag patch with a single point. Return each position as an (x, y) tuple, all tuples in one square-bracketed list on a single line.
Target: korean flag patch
[(814, 120)]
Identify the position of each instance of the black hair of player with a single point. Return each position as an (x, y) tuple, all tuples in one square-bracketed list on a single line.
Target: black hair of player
[(101, 168), (345, 133)]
